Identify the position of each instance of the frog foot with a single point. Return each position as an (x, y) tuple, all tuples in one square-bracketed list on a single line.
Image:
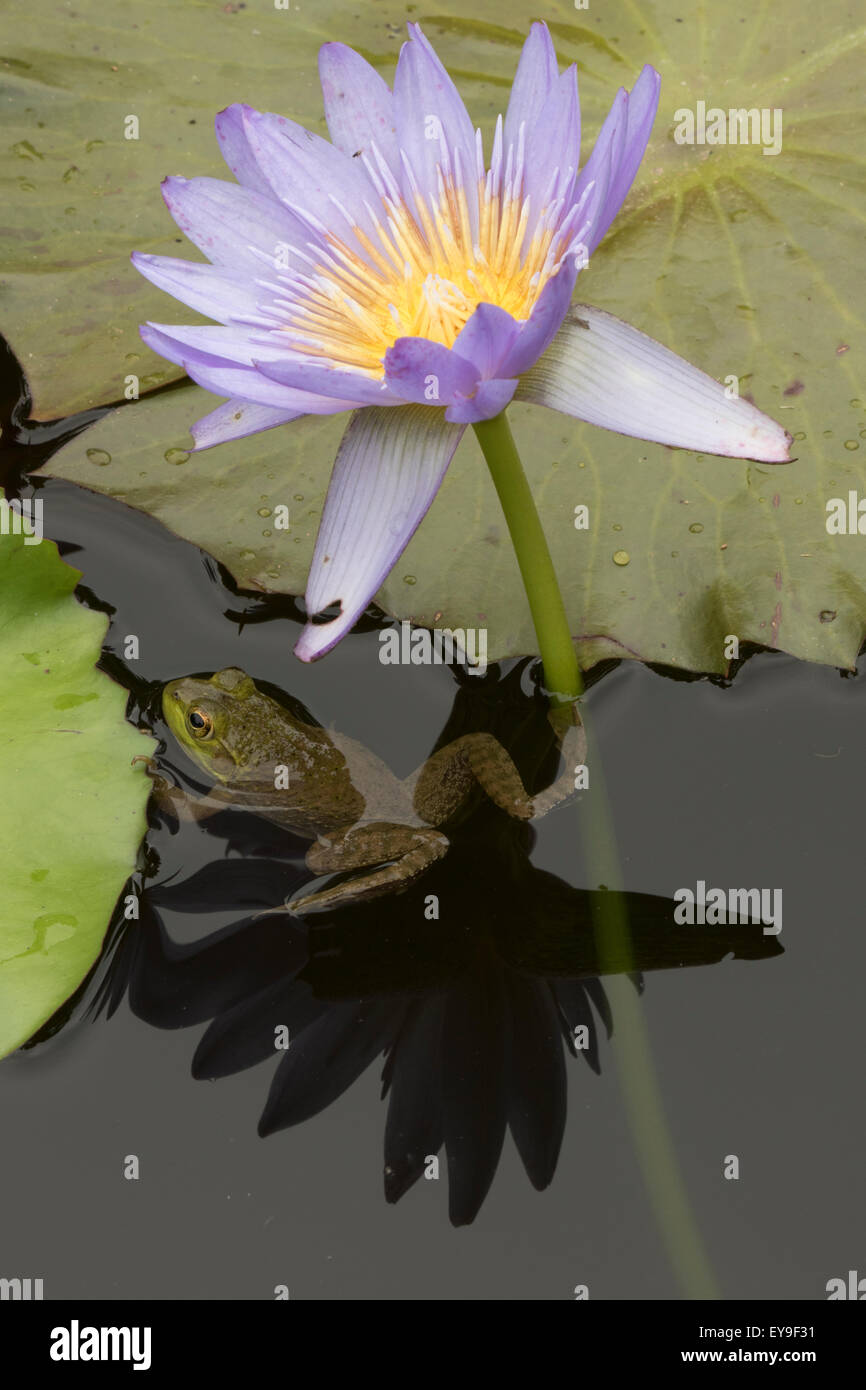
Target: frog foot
[(151, 766)]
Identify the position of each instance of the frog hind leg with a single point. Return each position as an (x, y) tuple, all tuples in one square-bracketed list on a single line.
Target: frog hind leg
[(440, 787), (410, 849), (446, 779), (572, 746)]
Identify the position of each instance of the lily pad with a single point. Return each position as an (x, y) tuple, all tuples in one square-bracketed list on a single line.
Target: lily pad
[(745, 262), (71, 804)]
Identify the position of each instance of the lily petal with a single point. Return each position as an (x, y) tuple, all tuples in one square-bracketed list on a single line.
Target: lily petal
[(490, 398), (309, 374), (536, 76), (225, 378), (235, 420), (604, 371), (359, 106), (318, 182), (553, 145), (231, 134), (207, 289), (419, 370), (233, 226), (600, 167), (231, 344), (433, 125), (388, 470), (631, 129), (543, 324), (642, 106), (486, 338)]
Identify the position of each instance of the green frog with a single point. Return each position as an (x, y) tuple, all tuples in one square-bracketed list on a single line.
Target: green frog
[(330, 789)]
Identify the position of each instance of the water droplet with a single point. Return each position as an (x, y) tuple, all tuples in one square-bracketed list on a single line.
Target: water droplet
[(851, 444), (99, 456), (26, 186), (828, 434), (801, 434), (738, 214), (267, 533), (70, 173), (856, 403), (264, 511), (132, 357), (863, 434), (621, 557), (298, 496), (247, 555), (263, 496), (93, 145), (674, 554), (827, 615), (798, 501), (616, 526), (696, 527), (176, 456), (409, 579)]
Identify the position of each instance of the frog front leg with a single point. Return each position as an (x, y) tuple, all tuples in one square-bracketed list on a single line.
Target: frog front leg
[(445, 781), (180, 803), (411, 850)]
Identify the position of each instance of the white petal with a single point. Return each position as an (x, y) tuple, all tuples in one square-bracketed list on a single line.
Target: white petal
[(387, 472), (606, 372)]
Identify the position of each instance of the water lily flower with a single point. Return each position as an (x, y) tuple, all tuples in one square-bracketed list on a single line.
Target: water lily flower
[(396, 273)]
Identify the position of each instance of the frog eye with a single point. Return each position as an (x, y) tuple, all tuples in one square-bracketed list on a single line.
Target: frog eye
[(200, 723)]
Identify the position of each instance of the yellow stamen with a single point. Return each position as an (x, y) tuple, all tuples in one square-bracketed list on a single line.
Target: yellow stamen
[(423, 277)]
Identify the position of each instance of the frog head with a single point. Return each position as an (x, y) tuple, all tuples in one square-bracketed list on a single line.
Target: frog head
[(212, 719)]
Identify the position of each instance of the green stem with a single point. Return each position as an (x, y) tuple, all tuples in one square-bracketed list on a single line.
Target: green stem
[(614, 949), (561, 671)]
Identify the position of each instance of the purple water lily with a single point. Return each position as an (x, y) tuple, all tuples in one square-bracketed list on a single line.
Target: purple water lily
[(395, 273)]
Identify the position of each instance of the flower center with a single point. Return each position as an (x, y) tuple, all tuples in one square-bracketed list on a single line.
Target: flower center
[(426, 268), (446, 303)]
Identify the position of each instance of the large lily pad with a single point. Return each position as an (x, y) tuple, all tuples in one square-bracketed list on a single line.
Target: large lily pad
[(745, 263), (71, 804)]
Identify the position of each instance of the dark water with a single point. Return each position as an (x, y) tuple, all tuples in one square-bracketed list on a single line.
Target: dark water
[(168, 1055)]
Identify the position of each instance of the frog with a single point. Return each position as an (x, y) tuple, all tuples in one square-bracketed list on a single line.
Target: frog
[(326, 787)]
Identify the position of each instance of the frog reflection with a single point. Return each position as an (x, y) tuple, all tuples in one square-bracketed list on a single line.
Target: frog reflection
[(328, 788)]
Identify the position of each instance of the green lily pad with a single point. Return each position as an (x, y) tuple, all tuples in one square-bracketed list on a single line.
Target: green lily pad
[(71, 804), (745, 263)]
